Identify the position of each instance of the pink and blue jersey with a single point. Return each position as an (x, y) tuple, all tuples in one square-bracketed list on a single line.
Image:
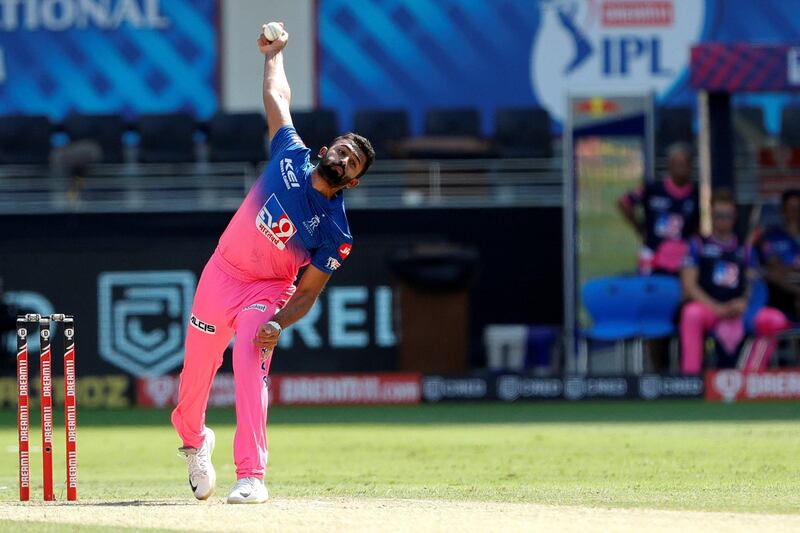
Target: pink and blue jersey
[(284, 223), (777, 242)]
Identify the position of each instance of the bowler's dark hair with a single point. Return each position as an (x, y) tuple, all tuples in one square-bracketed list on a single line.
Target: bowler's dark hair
[(788, 194), (363, 144)]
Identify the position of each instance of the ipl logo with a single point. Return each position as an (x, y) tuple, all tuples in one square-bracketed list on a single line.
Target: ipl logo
[(611, 46), (142, 318)]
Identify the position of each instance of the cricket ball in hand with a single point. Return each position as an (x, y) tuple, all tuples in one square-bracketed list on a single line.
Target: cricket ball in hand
[(271, 31)]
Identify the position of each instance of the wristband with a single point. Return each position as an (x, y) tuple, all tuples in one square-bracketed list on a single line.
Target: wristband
[(275, 325)]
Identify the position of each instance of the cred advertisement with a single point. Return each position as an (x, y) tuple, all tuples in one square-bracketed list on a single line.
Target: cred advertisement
[(734, 385), (300, 389)]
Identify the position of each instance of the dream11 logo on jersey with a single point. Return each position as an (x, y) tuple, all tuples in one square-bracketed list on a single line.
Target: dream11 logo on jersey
[(273, 222), (611, 46)]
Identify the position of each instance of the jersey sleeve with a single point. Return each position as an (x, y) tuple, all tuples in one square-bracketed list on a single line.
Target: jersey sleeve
[(766, 246), (330, 256), (285, 140), (634, 197), (692, 257)]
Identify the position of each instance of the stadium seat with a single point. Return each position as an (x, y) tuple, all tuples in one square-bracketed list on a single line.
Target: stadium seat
[(790, 126), (105, 130), (613, 305), (382, 128), (452, 123), (658, 301), (24, 139), (673, 124), (237, 137), (167, 138), (317, 128), (523, 132)]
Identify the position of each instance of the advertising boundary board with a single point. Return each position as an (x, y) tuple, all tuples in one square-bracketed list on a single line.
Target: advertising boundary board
[(735, 385)]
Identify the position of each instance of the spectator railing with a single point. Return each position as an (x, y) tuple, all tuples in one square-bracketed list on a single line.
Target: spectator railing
[(222, 186)]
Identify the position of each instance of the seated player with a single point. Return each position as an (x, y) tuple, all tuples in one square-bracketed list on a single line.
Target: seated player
[(715, 279), (671, 214), (779, 247)]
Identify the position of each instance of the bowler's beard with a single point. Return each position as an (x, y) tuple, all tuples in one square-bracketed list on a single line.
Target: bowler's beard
[(329, 173)]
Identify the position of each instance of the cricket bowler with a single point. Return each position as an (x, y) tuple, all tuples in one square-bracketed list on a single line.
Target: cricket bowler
[(292, 217)]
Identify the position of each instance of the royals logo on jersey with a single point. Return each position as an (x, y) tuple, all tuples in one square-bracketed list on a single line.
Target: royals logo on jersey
[(726, 274), (669, 226), (273, 222)]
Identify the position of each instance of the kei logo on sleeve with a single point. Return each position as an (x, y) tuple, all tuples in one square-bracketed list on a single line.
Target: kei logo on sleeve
[(273, 222)]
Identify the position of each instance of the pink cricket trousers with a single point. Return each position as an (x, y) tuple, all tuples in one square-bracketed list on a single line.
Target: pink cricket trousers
[(697, 319), (228, 305)]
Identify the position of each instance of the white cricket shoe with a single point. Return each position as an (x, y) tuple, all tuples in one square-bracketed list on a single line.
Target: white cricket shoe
[(202, 477), (249, 490)]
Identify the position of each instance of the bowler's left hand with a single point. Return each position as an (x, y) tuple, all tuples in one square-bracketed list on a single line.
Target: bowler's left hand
[(267, 337)]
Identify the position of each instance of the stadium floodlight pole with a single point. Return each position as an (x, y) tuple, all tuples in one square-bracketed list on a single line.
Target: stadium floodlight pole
[(23, 411), (46, 400)]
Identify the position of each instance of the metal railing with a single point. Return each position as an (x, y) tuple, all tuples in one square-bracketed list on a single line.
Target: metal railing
[(393, 184), (222, 186)]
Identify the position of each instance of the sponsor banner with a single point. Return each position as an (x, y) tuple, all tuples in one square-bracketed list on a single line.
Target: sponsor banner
[(93, 392), (511, 388), (346, 389), (300, 389), (441, 388), (652, 387), (734, 385), (549, 48), (162, 391)]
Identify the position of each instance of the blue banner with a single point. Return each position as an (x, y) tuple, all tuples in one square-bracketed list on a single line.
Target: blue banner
[(421, 54), (108, 56)]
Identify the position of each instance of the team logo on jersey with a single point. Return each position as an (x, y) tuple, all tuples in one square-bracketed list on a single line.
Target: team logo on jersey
[(344, 250), (669, 226), (726, 274), (273, 222), (287, 172), (332, 264), (312, 224)]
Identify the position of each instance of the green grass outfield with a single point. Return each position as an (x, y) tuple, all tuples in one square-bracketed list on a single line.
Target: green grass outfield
[(668, 455)]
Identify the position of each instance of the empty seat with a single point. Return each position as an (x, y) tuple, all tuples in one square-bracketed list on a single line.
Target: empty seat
[(317, 128), (166, 138), (24, 139), (105, 130), (452, 122), (523, 132), (790, 125), (382, 128), (674, 124), (237, 137)]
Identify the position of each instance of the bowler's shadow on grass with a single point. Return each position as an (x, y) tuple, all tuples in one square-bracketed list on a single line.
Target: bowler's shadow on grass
[(128, 503)]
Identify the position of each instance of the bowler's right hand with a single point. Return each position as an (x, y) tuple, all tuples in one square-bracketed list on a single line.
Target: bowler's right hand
[(269, 49)]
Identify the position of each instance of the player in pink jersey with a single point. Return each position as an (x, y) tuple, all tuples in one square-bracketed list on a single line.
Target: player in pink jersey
[(292, 217)]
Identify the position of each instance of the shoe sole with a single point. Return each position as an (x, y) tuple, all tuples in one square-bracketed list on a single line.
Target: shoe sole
[(247, 502), (214, 479)]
